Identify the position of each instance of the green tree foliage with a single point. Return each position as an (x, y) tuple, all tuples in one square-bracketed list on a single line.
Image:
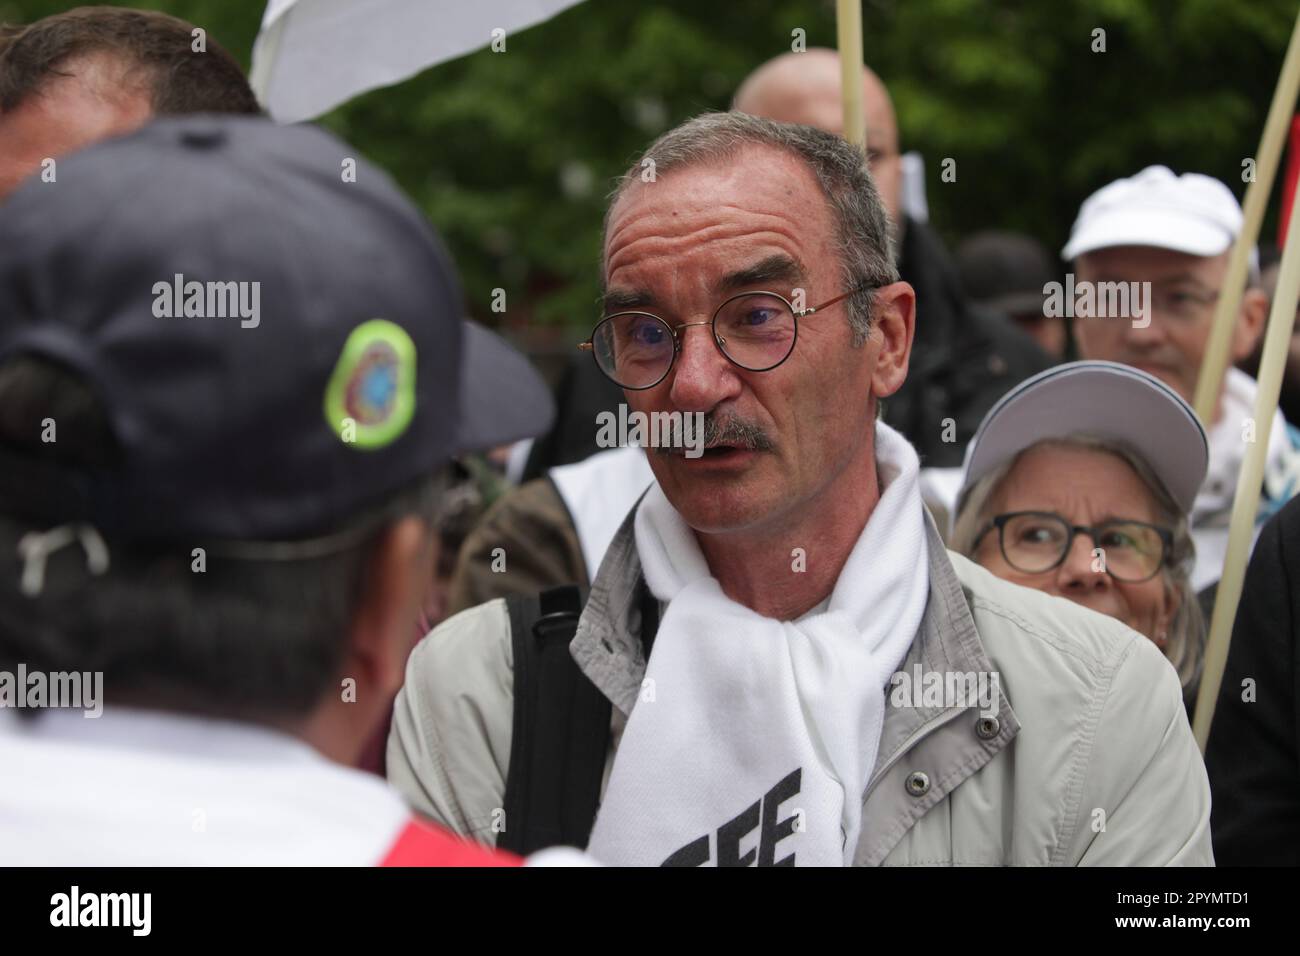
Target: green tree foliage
[(512, 154)]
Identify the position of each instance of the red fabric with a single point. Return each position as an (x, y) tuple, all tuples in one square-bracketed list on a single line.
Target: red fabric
[(422, 845), (1289, 180)]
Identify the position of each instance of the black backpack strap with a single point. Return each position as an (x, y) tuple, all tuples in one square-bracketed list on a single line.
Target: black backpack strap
[(561, 723), (561, 728)]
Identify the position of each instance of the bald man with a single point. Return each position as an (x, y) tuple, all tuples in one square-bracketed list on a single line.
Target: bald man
[(964, 358)]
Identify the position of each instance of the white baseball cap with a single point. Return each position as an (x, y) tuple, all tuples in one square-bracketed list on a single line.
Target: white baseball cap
[(1190, 213), (1102, 399)]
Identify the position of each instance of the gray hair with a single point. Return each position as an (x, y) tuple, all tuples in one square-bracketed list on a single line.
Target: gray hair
[(1185, 648), (863, 234)]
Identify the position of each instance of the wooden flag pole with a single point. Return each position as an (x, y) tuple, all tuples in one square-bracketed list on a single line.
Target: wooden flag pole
[(848, 22), (1272, 363), (1267, 158)]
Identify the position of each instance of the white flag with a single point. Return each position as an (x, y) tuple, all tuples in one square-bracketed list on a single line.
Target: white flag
[(312, 55)]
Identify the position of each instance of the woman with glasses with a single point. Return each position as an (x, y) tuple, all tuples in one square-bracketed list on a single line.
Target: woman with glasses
[(1079, 483)]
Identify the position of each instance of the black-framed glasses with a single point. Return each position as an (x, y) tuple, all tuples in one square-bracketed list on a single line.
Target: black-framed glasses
[(753, 330), (1034, 542)]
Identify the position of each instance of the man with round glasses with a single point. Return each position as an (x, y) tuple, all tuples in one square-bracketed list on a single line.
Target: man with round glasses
[(755, 330), (741, 671)]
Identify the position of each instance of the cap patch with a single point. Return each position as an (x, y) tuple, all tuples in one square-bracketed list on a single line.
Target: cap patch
[(370, 399)]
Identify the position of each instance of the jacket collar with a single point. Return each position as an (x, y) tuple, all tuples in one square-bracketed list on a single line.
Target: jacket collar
[(607, 644), (915, 739), (926, 752)]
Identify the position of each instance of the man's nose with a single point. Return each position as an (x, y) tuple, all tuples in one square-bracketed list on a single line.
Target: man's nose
[(1082, 570), (702, 375)]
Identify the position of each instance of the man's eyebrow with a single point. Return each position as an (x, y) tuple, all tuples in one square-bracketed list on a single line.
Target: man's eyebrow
[(626, 300), (778, 269)]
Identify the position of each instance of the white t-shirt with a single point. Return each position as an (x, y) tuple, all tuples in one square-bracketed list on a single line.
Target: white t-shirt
[(599, 492), (135, 787)]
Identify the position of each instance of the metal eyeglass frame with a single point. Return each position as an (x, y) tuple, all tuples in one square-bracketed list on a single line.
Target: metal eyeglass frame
[(718, 341), (1000, 522)]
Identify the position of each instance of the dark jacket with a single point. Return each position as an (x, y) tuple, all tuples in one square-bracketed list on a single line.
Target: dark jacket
[(1253, 756), (964, 357)]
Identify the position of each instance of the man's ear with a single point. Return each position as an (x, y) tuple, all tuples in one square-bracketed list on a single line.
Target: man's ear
[(1251, 318), (893, 325), (397, 579)]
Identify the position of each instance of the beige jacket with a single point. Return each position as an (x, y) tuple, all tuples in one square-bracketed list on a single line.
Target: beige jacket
[(1090, 760)]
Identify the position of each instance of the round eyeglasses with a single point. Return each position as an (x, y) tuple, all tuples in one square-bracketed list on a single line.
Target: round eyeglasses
[(753, 330), (1033, 542)]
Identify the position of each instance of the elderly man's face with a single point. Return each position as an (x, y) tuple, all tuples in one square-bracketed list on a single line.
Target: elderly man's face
[(681, 245), (68, 114), (1172, 346)]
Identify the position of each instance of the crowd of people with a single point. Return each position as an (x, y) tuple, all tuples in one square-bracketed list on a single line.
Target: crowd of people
[(362, 589)]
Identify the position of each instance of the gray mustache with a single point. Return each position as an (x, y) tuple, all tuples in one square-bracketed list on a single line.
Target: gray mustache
[(729, 431)]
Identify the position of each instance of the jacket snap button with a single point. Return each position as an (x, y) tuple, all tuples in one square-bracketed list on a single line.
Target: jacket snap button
[(918, 783), (986, 728)]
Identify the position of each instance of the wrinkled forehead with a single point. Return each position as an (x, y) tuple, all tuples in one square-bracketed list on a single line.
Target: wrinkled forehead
[(757, 193), (1104, 483)]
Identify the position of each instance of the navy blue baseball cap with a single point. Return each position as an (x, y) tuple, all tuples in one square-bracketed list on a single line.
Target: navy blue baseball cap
[(275, 333)]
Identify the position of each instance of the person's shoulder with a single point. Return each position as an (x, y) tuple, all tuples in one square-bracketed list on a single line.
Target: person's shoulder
[(1286, 523), (1025, 629), (532, 503), (1275, 557), (474, 643), (449, 746), (1103, 730)]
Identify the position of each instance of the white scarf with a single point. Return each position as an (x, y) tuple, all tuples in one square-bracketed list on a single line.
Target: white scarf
[(753, 739)]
